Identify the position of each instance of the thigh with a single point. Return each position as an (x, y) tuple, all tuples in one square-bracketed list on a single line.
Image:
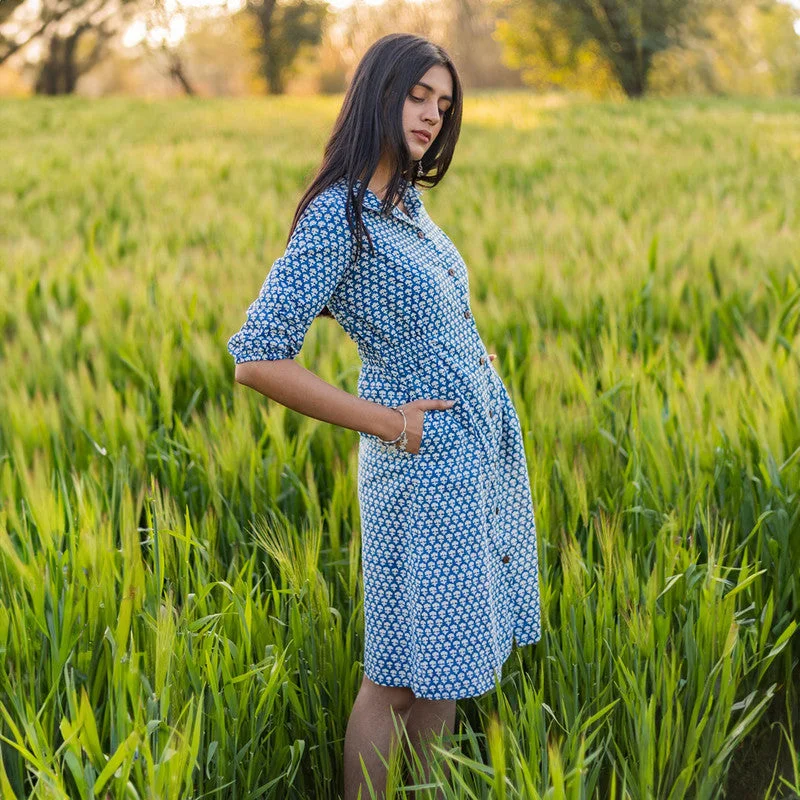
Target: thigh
[(401, 698)]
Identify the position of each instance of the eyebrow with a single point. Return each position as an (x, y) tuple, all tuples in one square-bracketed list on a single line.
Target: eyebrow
[(430, 89)]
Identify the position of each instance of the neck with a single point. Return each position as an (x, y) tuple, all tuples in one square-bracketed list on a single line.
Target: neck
[(380, 179)]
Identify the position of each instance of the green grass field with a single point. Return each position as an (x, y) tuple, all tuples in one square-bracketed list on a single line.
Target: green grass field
[(180, 589)]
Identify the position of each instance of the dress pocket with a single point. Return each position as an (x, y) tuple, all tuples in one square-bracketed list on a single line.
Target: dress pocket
[(443, 436), (380, 387)]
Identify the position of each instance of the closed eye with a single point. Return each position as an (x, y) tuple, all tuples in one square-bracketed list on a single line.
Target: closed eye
[(422, 100)]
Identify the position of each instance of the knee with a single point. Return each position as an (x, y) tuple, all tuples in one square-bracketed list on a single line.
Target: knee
[(439, 715), (441, 708), (400, 698)]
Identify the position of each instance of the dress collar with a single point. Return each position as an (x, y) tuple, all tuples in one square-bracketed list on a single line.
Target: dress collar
[(411, 200)]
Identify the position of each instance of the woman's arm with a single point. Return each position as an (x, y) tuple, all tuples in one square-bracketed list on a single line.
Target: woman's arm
[(297, 287), (292, 385)]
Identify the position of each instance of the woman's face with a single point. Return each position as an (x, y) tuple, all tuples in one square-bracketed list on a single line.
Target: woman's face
[(424, 108)]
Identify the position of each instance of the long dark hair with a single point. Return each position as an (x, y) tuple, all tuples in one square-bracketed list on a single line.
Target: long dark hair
[(370, 121)]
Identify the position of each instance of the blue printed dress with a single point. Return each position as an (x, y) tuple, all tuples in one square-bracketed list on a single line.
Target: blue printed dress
[(449, 556)]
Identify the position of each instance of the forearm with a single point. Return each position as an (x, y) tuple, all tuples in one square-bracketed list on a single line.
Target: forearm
[(295, 387)]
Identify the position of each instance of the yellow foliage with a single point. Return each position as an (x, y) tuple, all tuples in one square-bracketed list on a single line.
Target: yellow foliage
[(547, 59), (12, 83)]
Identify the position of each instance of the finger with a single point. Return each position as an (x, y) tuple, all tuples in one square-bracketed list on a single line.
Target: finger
[(492, 356), (434, 404)]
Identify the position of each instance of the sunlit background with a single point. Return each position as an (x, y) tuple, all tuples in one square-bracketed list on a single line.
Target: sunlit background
[(233, 47), (180, 587)]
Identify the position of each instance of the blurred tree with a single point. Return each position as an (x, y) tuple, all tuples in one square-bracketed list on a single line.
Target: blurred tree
[(285, 29), (548, 58), (470, 38), (202, 49), (752, 47), (625, 34), (75, 35), (357, 26), (779, 34), (218, 52), (464, 27), (16, 34), (157, 25), (64, 63), (7, 8)]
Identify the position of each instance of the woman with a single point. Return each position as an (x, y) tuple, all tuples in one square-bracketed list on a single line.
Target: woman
[(449, 555)]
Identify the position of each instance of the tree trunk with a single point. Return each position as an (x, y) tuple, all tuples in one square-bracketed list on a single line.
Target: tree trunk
[(178, 73), (59, 72), (264, 13), (272, 72), (630, 67)]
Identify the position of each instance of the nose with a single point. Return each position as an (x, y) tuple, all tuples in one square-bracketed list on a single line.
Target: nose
[(432, 113)]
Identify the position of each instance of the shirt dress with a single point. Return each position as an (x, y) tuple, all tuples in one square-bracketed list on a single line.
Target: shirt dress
[(449, 552)]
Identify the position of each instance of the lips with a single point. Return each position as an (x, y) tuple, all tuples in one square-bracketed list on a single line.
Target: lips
[(423, 135)]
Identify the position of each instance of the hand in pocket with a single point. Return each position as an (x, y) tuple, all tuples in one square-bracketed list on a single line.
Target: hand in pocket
[(415, 416)]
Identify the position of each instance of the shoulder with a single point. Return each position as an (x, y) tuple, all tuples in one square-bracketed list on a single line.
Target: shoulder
[(323, 222), (325, 210), (331, 200)]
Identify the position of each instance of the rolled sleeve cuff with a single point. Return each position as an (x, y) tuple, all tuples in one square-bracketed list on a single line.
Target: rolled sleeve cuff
[(260, 348)]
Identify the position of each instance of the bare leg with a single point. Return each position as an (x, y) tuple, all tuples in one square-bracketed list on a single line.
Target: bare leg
[(425, 718), (370, 725)]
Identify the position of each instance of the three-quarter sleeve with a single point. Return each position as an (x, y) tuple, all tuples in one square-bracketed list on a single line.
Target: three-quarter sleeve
[(297, 286)]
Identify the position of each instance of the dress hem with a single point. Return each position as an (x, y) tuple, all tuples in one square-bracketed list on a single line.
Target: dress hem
[(452, 695)]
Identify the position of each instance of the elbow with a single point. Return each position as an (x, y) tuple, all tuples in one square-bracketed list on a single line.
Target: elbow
[(250, 373), (241, 371)]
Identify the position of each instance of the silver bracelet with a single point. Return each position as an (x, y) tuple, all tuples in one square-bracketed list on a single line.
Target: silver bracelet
[(402, 439)]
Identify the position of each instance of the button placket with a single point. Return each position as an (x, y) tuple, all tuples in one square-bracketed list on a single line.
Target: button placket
[(493, 513), (492, 393), (440, 257), (505, 547)]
